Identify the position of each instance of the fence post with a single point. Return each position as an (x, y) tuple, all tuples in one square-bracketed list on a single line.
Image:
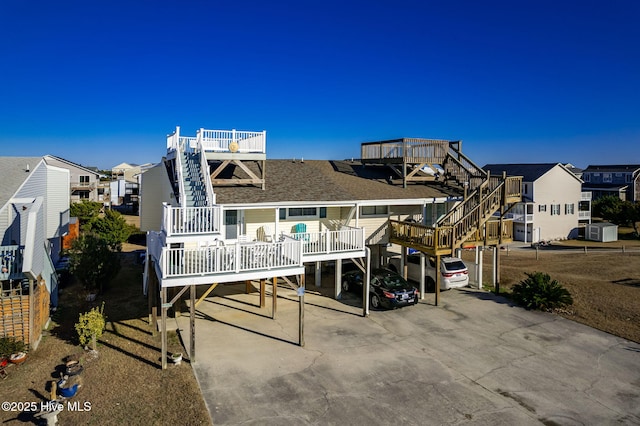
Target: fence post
[(585, 249)]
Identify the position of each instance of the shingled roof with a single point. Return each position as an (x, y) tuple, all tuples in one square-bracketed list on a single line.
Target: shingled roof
[(327, 181), (529, 172), (13, 173)]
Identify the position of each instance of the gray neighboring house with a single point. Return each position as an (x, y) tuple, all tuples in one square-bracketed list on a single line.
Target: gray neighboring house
[(553, 204), (84, 183), (34, 215), (621, 180)]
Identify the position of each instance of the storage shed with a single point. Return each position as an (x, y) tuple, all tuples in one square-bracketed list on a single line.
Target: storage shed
[(603, 232)]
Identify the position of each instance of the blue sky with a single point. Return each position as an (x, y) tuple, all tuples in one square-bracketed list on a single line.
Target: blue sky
[(102, 82)]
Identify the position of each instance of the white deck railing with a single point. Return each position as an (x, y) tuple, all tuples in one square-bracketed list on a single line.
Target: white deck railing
[(191, 220), (242, 257), (584, 214), (345, 240), (220, 140)]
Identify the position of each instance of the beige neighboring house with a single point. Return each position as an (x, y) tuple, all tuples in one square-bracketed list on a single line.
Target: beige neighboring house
[(553, 204), (84, 183)]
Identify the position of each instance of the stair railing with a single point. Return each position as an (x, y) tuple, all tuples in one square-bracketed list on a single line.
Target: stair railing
[(204, 167), (183, 195)]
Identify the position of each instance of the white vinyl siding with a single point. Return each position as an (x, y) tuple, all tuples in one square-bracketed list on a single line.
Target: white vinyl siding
[(155, 189)]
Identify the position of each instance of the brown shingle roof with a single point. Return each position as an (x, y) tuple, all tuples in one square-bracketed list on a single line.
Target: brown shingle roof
[(320, 180)]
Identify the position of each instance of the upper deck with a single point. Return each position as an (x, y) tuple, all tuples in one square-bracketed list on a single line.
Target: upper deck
[(407, 150), (222, 144)]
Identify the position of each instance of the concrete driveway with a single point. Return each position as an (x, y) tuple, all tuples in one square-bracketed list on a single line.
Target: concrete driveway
[(475, 359)]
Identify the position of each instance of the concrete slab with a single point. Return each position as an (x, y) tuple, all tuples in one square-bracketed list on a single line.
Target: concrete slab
[(475, 359)]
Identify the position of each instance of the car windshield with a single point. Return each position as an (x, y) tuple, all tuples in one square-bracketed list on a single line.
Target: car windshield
[(391, 281), (455, 265)]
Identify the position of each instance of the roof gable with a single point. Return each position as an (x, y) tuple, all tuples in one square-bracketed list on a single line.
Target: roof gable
[(14, 171)]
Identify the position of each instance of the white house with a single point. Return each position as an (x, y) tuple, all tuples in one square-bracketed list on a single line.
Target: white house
[(84, 182), (34, 215), (228, 214), (553, 204)]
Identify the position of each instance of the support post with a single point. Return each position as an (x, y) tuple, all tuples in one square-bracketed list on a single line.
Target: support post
[(403, 263), (365, 284), (274, 297), (301, 310), (422, 274), (493, 268), (497, 270), (480, 264), (438, 280), (263, 292), (318, 277), (247, 286), (163, 327), (192, 321), (338, 279)]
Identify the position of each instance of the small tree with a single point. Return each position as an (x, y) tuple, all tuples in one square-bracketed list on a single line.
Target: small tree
[(90, 326), (92, 262), (86, 211), (539, 291), (112, 228)]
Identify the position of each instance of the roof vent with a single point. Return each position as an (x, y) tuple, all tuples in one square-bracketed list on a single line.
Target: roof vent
[(27, 169)]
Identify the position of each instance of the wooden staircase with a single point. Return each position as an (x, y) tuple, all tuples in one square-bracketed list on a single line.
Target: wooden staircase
[(477, 220)]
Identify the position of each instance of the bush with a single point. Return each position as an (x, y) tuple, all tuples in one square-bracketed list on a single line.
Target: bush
[(540, 292), (10, 345), (90, 326)]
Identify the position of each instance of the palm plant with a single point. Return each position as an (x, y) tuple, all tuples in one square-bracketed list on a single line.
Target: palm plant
[(539, 291)]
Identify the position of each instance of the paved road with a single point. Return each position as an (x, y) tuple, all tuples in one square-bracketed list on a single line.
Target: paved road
[(473, 360)]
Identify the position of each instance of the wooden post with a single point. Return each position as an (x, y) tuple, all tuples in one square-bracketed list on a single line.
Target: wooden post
[(262, 293), (274, 297), (301, 310), (438, 280), (497, 270), (192, 319), (247, 285), (163, 331), (176, 306)]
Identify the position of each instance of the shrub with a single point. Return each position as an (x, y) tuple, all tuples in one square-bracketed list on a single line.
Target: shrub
[(91, 325), (10, 345), (539, 291)]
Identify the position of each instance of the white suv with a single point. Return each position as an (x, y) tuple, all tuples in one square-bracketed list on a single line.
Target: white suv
[(453, 270)]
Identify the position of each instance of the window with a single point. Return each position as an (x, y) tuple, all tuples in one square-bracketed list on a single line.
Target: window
[(568, 208), (555, 209), (542, 208), (83, 195), (606, 177), (374, 210), (587, 177), (84, 180), (302, 212), (526, 188), (628, 179)]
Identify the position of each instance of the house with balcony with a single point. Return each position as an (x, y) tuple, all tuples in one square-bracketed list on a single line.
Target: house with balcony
[(622, 180), (84, 182), (34, 215), (553, 206), (217, 211)]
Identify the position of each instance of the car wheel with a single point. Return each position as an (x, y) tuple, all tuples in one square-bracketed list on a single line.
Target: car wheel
[(431, 285), (375, 301), (345, 285)]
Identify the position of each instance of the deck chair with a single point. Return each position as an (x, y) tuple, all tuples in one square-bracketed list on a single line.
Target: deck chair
[(300, 228)]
